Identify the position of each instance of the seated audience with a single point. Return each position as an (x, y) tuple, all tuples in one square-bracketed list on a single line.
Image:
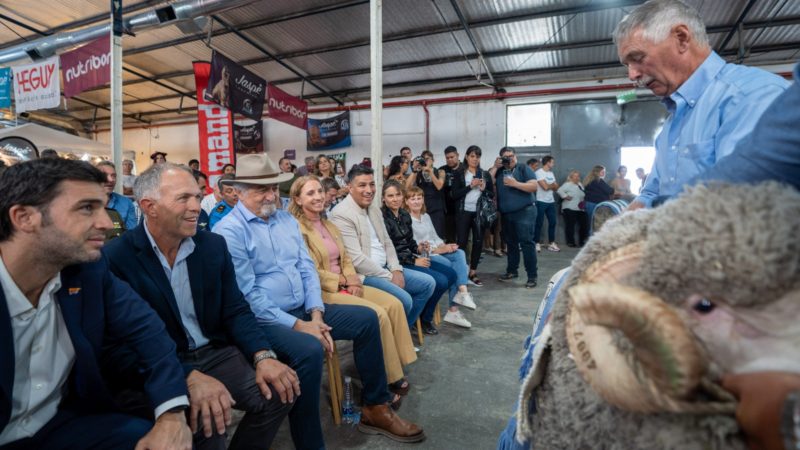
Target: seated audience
[(447, 254), (469, 184), (281, 283), (227, 203), (341, 284), (229, 169), (219, 343), (59, 304), (371, 250), (194, 164), (410, 252), (202, 183), (572, 206), (341, 175), (119, 203)]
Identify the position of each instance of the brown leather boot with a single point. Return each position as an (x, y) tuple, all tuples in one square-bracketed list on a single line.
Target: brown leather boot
[(380, 419)]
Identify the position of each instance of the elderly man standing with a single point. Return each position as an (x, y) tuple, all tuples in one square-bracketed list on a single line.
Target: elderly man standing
[(281, 283), (58, 305), (189, 280), (712, 104)]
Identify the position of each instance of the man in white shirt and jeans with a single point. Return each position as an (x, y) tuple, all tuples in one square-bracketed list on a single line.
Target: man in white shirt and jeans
[(546, 204)]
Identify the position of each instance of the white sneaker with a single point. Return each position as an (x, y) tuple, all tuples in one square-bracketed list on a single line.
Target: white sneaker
[(416, 349), (538, 248), (465, 299), (553, 247), (456, 318)]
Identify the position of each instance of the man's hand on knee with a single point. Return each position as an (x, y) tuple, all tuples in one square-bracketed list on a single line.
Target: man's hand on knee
[(211, 400), (280, 376), (170, 432)]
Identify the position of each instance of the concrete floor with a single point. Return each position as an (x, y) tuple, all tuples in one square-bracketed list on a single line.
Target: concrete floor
[(464, 383)]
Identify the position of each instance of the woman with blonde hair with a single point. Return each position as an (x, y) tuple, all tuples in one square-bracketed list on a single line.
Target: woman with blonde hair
[(342, 286), (572, 206)]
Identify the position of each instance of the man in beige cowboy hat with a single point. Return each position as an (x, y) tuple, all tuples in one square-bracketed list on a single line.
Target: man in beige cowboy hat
[(279, 280)]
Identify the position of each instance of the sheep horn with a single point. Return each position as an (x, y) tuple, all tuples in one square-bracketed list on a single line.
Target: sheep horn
[(615, 265), (663, 345)]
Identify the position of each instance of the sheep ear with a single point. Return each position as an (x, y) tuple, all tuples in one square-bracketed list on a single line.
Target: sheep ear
[(666, 365), (616, 265)]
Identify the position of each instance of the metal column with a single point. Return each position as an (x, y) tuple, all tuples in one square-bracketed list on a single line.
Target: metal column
[(376, 89), (116, 89)]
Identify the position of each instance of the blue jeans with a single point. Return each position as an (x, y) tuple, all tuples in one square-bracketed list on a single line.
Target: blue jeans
[(590, 206), (445, 278), (549, 210), (518, 232), (418, 290), (457, 261), (304, 353)]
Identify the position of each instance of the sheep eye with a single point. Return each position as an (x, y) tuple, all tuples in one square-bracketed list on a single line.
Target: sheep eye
[(704, 306)]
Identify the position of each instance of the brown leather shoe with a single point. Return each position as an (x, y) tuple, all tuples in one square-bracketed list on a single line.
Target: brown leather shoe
[(380, 419)]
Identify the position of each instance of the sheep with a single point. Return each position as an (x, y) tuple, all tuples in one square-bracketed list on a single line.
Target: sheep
[(710, 281)]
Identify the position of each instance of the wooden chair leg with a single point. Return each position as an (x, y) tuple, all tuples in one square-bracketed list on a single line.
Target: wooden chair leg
[(437, 316), (335, 385), (420, 336)]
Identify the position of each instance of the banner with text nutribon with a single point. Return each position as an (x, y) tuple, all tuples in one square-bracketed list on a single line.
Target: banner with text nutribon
[(286, 108), (215, 126), (333, 132), (235, 87), (87, 67), (37, 85)]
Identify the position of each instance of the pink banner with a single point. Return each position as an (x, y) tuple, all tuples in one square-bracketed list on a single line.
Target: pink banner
[(86, 67), (284, 107)]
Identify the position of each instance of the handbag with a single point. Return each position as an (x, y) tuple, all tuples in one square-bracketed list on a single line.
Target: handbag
[(487, 212)]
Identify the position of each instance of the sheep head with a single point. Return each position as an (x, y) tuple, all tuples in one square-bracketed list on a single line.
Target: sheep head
[(710, 286)]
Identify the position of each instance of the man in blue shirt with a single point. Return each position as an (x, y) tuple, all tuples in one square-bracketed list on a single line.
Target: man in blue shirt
[(280, 281), (516, 184), (121, 204), (227, 203), (712, 104)]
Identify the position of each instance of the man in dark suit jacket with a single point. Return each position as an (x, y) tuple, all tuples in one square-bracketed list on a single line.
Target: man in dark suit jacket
[(189, 279), (58, 303)]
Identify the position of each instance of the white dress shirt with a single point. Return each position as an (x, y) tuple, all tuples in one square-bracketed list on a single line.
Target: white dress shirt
[(43, 357)]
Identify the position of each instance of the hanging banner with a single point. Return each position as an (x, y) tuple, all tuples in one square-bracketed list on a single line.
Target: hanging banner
[(5, 87), (248, 138), (286, 108), (235, 87), (325, 134), (87, 67), (215, 126), (37, 86)]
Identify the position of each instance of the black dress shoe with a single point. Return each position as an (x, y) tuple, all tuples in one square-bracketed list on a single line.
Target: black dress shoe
[(428, 328), (530, 284), (507, 277)]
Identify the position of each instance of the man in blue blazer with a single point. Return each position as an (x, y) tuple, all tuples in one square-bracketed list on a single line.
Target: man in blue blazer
[(58, 303), (189, 279)]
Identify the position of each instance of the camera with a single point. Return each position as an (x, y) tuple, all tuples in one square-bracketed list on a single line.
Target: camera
[(506, 161), (421, 163)]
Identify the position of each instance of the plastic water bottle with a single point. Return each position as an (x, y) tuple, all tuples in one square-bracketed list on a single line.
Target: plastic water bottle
[(349, 414), (425, 253)]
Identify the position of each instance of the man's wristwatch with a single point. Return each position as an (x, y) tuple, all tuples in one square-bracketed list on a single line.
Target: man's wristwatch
[(268, 354)]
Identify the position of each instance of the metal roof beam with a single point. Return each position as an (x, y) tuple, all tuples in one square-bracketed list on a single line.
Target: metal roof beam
[(472, 40)]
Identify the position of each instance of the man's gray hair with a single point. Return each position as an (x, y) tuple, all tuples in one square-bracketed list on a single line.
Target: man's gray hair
[(148, 183), (657, 17), (105, 163)]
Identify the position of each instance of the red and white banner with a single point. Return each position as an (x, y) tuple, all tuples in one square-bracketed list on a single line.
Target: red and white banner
[(215, 125), (37, 86), (286, 108), (87, 67)]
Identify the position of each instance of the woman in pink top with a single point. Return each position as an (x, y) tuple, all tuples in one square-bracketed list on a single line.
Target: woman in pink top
[(341, 285)]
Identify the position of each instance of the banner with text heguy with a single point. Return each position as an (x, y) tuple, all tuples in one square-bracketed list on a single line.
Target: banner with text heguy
[(286, 108), (37, 85), (87, 67), (215, 125)]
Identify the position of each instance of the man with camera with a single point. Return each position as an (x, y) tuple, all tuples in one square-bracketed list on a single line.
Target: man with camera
[(516, 185)]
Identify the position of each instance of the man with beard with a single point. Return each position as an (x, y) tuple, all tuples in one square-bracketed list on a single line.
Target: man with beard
[(281, 283), (712, 105), (58, 305)]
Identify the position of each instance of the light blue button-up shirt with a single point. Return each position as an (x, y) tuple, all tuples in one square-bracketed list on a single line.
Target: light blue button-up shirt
[(124, 206), (710, 112), (178, 276), (273, 268)]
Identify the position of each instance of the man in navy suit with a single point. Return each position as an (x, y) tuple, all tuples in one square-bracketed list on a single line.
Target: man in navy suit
[(59, 303), (189, 279)]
